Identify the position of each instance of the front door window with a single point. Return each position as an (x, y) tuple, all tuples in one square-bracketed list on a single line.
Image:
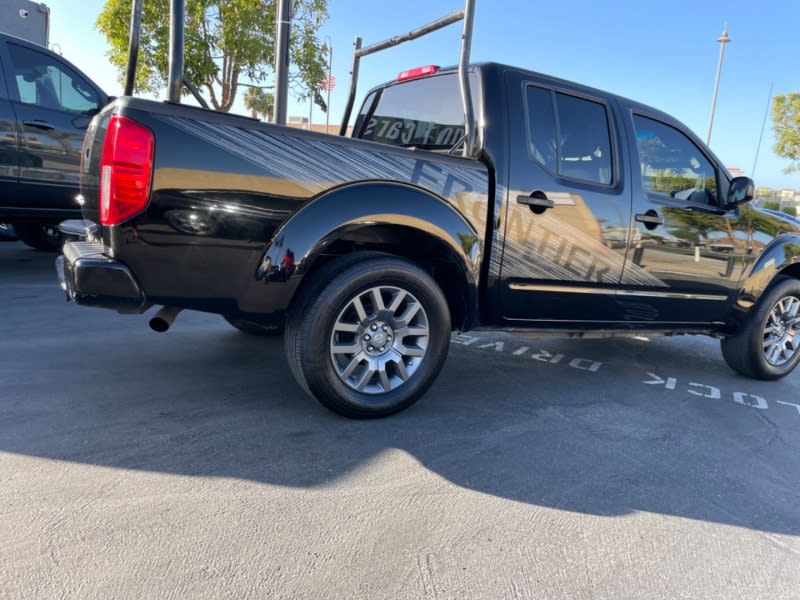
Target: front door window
[(672, 165), (44, 82)]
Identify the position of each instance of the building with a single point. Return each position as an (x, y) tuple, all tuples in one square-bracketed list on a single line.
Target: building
[(25, 19)]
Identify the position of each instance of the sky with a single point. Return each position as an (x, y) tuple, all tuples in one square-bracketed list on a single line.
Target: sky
[(664, 54)]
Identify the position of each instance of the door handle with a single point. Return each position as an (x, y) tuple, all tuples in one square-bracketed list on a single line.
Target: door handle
[(538, 201), (650, 219), (39, 124)]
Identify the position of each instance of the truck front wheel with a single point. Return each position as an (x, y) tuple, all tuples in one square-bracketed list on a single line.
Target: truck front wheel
[(768, 346), (369, 341)]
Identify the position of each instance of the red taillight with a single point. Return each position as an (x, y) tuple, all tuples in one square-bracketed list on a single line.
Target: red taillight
[(418, 72), (126, 167)]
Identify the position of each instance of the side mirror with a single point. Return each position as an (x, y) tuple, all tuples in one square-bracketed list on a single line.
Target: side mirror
[(740, 191)]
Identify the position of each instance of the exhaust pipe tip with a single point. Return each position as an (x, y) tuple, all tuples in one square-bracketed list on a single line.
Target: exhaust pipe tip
[(164, 318)]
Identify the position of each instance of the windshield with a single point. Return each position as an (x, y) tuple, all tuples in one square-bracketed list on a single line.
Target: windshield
[(422, 113)]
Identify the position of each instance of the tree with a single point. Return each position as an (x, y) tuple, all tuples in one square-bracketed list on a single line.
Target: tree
[(259, 102), (786, 124), (225, 41), (772, 204), (790, 210)]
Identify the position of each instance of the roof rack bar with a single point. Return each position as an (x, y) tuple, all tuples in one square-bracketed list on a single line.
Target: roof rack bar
[(133, 46), (351, 95), (195, 92), (177, 18), (470, 134), (467, 15), (453, 17)]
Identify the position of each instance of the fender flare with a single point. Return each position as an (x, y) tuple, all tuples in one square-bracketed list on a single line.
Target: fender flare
[(775, 258), (301, 239), (335, 213)]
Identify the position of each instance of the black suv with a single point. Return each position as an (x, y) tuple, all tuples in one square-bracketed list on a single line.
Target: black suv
[(46, 104)]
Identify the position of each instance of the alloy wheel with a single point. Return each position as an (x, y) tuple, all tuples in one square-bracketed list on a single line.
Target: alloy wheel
[(379, 339)]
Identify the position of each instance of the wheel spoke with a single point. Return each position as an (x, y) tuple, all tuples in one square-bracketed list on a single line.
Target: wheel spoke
[(384, 376), (377, 300), (774, 352), (366, 377), (414, 330), (400, 365), (790, 314), (352, 365), (789, 306), (397, 300), (342, 327), (359, 308), (410, 351), (353, 348), (411, 312)]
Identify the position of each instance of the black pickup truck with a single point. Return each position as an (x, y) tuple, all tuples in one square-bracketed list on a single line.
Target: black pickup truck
[(568, 211), (46, 104)]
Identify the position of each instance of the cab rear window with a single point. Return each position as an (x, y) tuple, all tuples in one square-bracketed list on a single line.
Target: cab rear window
[(421, 113)]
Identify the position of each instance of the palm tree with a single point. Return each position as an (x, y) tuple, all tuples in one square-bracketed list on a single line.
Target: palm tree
[(259, 102)]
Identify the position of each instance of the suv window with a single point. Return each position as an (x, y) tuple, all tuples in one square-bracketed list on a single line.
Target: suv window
[(425, 113), (44, 81), (569, 135), (672, 165)]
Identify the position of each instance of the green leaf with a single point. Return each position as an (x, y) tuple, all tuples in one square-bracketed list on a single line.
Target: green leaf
[(225, 41), (786, 125)]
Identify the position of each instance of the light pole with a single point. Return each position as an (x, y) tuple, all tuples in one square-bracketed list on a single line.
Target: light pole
[(328, 83), (723, 39), (283, 28)]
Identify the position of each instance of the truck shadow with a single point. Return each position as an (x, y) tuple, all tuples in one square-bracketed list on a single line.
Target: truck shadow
[(207, 401)]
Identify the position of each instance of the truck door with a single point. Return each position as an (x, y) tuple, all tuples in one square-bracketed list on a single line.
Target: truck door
[(9, 144), (694, 250), (53, 105), (568, 206)]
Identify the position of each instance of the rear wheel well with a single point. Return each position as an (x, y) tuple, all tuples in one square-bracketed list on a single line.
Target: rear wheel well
[(427, 252), (792, 271)]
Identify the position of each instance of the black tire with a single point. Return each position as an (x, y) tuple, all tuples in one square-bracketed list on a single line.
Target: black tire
[(254, 328), (403, 313), (41, 236), (768, 345)]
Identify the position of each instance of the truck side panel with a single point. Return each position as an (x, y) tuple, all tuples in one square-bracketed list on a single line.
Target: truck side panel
[(212, 214)]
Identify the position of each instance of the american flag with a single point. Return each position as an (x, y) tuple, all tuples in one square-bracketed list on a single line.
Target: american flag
[(328, 83)]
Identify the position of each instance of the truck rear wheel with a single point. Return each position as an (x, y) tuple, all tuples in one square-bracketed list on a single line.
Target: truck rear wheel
[(369, 341), (41, 236), (768, 346)]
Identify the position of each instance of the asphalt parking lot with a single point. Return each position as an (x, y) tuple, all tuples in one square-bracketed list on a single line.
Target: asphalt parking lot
[(190, 465)]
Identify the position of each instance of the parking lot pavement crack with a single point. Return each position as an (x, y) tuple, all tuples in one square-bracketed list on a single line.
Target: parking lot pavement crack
[(425, 567), (776, 435)]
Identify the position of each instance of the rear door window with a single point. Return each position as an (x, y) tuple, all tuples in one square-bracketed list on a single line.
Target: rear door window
[(569, 136)]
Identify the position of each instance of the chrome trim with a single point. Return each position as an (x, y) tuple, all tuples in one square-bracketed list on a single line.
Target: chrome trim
[(679, 295), (528, 287), (524, 287)]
